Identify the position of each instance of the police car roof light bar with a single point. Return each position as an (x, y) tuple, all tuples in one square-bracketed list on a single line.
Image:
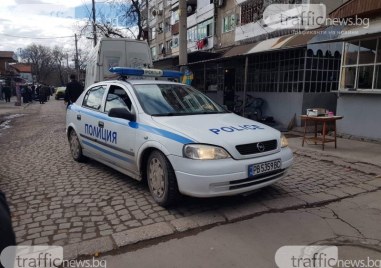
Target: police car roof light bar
[(145, 72)]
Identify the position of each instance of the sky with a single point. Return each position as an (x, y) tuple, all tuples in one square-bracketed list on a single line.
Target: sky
[(23, 22)]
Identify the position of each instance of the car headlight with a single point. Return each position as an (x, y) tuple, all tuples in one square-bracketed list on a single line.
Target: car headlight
[(283, 141), (204, 152)]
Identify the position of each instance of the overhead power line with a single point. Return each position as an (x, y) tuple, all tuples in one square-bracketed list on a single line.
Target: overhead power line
[(29, 37)]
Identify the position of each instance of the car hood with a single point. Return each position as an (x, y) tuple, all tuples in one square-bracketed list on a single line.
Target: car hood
[(225, 130)]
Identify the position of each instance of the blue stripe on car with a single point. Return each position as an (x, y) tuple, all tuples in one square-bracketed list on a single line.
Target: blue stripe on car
[(135, 125), (108, 152)]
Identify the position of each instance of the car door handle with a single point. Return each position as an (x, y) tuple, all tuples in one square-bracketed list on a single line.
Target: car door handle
[(101, 124), (78, 117)]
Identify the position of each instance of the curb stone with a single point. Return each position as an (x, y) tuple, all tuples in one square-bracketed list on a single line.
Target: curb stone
[(198, 220), (142, 233), (88, 247)]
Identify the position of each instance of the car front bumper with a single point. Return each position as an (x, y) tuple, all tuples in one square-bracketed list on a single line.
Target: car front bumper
[(210, 178)]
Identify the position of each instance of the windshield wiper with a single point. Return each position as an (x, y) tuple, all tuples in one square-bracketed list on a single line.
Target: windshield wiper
[(171, 114), (214, 112)]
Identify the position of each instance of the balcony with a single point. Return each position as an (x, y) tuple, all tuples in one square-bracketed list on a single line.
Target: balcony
[(175, 28)]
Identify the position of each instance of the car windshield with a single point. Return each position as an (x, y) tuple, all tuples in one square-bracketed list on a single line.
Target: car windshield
[(175, 99)]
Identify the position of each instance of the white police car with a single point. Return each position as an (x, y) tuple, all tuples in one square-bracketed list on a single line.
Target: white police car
[(175, 137)]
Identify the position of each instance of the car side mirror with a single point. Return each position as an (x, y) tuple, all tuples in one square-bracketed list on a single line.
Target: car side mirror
[(122, 113)]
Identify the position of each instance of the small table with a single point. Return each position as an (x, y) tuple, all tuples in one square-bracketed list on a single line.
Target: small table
[(325, 120)]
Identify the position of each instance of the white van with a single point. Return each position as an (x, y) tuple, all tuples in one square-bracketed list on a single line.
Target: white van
[(112, 52)]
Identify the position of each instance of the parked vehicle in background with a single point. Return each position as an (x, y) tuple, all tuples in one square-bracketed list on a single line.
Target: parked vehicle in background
[(60, 93), (112, 52)]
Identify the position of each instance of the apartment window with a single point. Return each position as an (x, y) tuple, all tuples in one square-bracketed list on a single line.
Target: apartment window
[(228, 23), (361, 65), (192, 34), (167, 26), (160, 28), (153, 52), (205, 29), (168, 46), (161, 49), (175, 41), (153, 33), (251, 11), (174, 17)]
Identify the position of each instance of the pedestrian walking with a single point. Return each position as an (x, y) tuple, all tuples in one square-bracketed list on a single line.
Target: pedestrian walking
[(48, 93), (73, 90), (1, 91), (7, 93), (42, 94)]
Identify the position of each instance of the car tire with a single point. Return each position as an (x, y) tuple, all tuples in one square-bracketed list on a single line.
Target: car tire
[(161, 179), (75, 147)]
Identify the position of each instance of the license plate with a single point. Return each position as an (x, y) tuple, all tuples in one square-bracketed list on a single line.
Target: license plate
[(264, 167)]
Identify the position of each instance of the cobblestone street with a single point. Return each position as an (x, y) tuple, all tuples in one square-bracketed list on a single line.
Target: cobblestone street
[(55, 200)]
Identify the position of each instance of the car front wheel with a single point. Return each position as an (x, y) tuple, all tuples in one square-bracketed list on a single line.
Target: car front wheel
[(75, 147), (161, 179)]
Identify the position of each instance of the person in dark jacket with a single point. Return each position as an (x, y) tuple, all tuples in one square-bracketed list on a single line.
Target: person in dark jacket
[(7, 93), (7, 235), (42, 94), (73, 90)]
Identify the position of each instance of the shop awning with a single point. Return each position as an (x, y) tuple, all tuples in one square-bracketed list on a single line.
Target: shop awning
[(374, 28), (238, 50), (283, 42), (347, 33)]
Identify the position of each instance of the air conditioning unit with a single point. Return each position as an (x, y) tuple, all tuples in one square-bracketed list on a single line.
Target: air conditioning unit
[(220, 3), (160, 12)]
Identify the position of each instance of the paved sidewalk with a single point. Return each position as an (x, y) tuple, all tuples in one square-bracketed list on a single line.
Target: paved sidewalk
[(360, 153), (7, 108), (353, 225)]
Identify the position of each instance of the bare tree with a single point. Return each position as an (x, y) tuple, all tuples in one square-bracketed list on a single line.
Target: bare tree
[(131, 20), (131, 12), (58, 57), (83, 56), (103, 27), (41, 59)]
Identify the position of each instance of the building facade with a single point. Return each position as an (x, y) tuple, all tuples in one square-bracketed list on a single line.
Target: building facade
[(231, 52), (359, 90), (25, 71), (7, 73)]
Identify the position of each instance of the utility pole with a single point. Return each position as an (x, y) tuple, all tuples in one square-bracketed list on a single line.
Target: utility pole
[(147, 19), (94, 25), (183, 53), (76, 57)]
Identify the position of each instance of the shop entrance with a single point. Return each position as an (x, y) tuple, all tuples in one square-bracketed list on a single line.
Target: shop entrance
[(229, 88)]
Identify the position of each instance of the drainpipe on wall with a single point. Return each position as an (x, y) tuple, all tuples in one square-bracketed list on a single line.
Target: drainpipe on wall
[(183, 46), (245, 85)]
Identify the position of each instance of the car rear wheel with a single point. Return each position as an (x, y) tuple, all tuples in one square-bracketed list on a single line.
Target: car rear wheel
[(75, 147), (161, 179)]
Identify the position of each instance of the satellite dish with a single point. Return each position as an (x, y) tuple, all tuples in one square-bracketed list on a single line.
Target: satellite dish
[(189, 9), (154, 12)]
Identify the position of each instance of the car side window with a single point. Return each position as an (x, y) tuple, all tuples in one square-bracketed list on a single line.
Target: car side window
[(93, 97), (117, 97)]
